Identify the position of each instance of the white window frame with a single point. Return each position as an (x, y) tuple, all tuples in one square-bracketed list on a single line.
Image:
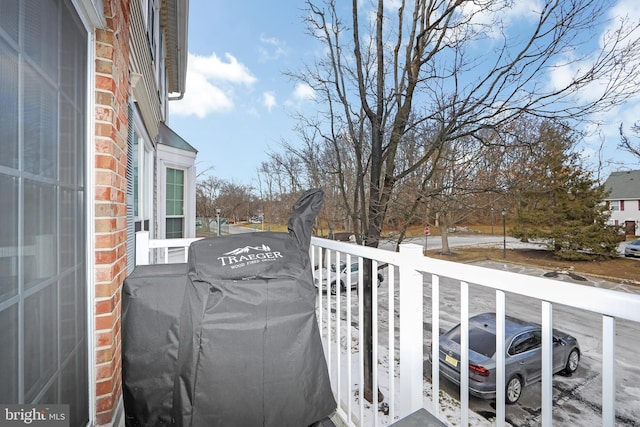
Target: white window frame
[(146, 157), (185, 177), (184, 163)]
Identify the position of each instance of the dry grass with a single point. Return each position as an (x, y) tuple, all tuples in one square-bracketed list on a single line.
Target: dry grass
[(619, 269)]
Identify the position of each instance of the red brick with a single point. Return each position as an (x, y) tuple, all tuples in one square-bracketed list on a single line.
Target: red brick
[(104, 339), (104, 355), (104, 98), (104, 418), (105, 322), (105, 37), (104, 114), (104, 306), (104, 403), (104, 387), (103, 193), (105, 257), (106, 225), (105, 162), (104, 129), (104, 51)]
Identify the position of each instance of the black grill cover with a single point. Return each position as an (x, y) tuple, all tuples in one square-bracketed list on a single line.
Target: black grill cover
[(151, 303), (250, 350)]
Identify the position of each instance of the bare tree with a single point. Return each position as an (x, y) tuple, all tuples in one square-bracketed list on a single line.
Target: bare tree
[(628, 145), (235, 201), (207, 193), (460, 67)]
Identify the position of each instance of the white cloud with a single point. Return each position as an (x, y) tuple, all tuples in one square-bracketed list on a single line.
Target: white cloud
[(211, 84), (216, 69), (303, 92), (491, 19), (624, 13), (269, 100), (272, 48)]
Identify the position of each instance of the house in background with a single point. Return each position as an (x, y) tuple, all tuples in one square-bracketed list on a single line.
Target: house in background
[(624, 200), (88, 159)]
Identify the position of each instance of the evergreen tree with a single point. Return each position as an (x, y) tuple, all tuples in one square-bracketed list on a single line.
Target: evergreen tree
[(561, 203)]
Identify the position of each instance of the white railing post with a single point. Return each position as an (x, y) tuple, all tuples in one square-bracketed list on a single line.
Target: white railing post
[(411, 330), (608, 371), (142, 248)]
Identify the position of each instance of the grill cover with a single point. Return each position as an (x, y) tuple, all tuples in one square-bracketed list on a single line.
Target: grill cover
[(250, 350), (151, 303)]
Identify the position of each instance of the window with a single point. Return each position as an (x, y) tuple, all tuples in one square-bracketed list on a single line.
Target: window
[(139, 181), (614, 205), (142, 179), (43, 300), (175, 204), (480, 340), (525, 342)]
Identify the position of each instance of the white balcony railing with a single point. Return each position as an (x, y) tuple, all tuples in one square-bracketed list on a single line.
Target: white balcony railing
[(161, 251), (400, 313)]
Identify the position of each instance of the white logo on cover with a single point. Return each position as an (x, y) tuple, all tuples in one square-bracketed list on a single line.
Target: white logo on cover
[(246, 249), (241, 257)]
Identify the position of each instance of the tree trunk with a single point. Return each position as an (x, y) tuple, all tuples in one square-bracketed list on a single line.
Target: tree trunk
[(444, 236)]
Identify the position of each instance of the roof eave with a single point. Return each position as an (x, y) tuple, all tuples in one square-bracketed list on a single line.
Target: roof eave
[(175, 17)]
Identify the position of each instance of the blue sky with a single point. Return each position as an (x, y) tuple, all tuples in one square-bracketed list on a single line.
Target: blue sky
[(238, 102)]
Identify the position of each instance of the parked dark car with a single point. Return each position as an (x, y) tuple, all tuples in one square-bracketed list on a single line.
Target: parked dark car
[(523, 358)]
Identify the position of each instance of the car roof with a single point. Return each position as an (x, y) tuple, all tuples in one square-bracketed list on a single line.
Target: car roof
[(512, 325)]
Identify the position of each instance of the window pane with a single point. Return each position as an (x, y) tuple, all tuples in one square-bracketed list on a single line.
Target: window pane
[(170, 197), (41, 30), (39, 232), (68, 309), (9, 355), (40, 340), (8, 237), (73, 58), (175, 192), (174, 228), (9, 18), (68, 143), (40, 126), (69, 389), (68, 230), (9, 104)]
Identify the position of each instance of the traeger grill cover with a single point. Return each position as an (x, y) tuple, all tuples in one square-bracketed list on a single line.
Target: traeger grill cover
[(151, 303), (250, 350)]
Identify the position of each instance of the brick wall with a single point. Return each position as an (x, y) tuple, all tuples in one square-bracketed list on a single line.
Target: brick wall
[(111, 94)]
